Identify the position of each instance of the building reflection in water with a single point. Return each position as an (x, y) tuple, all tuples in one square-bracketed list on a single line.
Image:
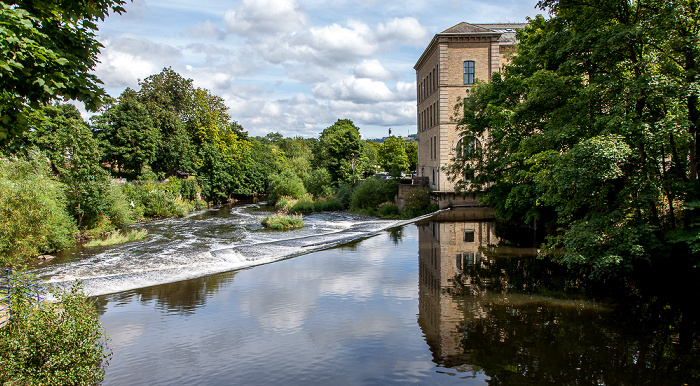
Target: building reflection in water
[(449, 244)]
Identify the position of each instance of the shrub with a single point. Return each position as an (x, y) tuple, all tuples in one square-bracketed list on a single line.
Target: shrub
[(56, 344), (373, 192), (344, 193), (118, 237), (279, 222), (286, 183), (119, 210), (319, 183), (388, 209), (417, 203), (33, 214), (189, 189)]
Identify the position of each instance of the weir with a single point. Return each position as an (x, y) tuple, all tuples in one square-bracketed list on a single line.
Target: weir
[(207, 243)]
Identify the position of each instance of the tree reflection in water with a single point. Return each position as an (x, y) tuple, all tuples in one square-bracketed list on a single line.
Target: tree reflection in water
[(523, 320)]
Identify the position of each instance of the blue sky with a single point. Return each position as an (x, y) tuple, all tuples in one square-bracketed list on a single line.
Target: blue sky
[(292, 66)]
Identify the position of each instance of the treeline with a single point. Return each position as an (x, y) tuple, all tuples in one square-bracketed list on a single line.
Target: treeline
[(165, 150)]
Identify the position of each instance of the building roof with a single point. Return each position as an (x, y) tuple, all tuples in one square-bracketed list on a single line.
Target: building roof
[(504, 31)]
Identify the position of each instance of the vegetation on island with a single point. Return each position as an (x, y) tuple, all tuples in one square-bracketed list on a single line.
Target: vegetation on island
[(282, 222), (590, 134)]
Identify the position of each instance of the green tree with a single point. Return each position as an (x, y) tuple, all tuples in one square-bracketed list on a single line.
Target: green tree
[(392, 156), (127, 134), (74, 155), (47, 50), (169, 99), (341, 151), (286, 183), (411, 149)]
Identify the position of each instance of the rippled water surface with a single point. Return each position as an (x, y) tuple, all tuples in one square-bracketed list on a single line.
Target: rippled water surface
[(214, 300)]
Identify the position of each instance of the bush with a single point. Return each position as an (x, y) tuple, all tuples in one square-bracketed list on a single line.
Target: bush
[(388, 209), (417, 203), (319, 183), (33, 214), (286, 183), (344, 193), (278, 222), (373, 192), (119, 210), (56, 344)]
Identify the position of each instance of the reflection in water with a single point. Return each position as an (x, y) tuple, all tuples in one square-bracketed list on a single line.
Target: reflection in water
[(510, 316)]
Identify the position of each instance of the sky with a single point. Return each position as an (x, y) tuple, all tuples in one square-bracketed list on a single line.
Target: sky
[(292, 66)]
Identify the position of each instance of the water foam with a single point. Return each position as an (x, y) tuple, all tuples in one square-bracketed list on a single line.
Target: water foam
[(196, 246)]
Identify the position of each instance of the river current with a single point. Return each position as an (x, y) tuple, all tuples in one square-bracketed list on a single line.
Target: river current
[(205, 243)]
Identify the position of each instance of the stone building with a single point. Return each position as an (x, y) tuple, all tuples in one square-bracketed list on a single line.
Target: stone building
[(453, 62)]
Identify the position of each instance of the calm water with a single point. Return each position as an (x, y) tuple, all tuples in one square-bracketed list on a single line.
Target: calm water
[(352, 300)]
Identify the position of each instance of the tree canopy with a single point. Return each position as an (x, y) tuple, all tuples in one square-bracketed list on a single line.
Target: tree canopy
[(47, 49)]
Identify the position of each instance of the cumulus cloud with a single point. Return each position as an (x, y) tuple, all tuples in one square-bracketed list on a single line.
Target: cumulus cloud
[(254, 17), (357, 90), (407, 30), (373, 69), (127, 58), (364, 90)]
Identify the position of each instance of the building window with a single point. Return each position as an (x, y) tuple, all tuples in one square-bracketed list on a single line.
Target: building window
[(469, 236), (469, 72)]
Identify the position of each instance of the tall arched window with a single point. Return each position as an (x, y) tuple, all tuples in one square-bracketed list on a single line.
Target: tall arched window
[(469, 72), (467, 148)]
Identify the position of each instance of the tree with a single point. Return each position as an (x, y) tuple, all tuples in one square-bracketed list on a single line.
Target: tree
[(47, 50), (341, 151), (169, 99), (128, 136), (590, 132), (392, 156), (411, 149)]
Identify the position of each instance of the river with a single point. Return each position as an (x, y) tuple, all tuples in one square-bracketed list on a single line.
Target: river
[(213, 299)]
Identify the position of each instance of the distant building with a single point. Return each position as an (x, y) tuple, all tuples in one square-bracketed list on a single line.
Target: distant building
[(454, 60)]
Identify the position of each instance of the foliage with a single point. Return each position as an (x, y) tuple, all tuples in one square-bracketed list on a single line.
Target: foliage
[(388, 210), (341, 151), (75, 158), (411, 149), (33, 215), (47, 50), (118, 237), (128, 136), (592, 132), (319, 183), (280, 222), (157, 200), (417, 203), (392, 156), (286, 183), (373, 192), (307, 204), (57, 344)]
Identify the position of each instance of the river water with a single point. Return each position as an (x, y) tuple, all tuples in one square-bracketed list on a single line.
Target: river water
[(213, 299)]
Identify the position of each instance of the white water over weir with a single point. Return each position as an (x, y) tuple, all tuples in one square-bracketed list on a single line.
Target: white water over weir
[(205, 243)]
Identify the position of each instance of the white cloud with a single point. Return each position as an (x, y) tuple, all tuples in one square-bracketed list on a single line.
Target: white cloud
[(127, 58), (373, 69), (408, 30), (357, 90), (265, 17), (364, 90)]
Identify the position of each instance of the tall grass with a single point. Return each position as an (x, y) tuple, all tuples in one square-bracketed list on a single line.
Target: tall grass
[(119, 238), (281, 222)]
